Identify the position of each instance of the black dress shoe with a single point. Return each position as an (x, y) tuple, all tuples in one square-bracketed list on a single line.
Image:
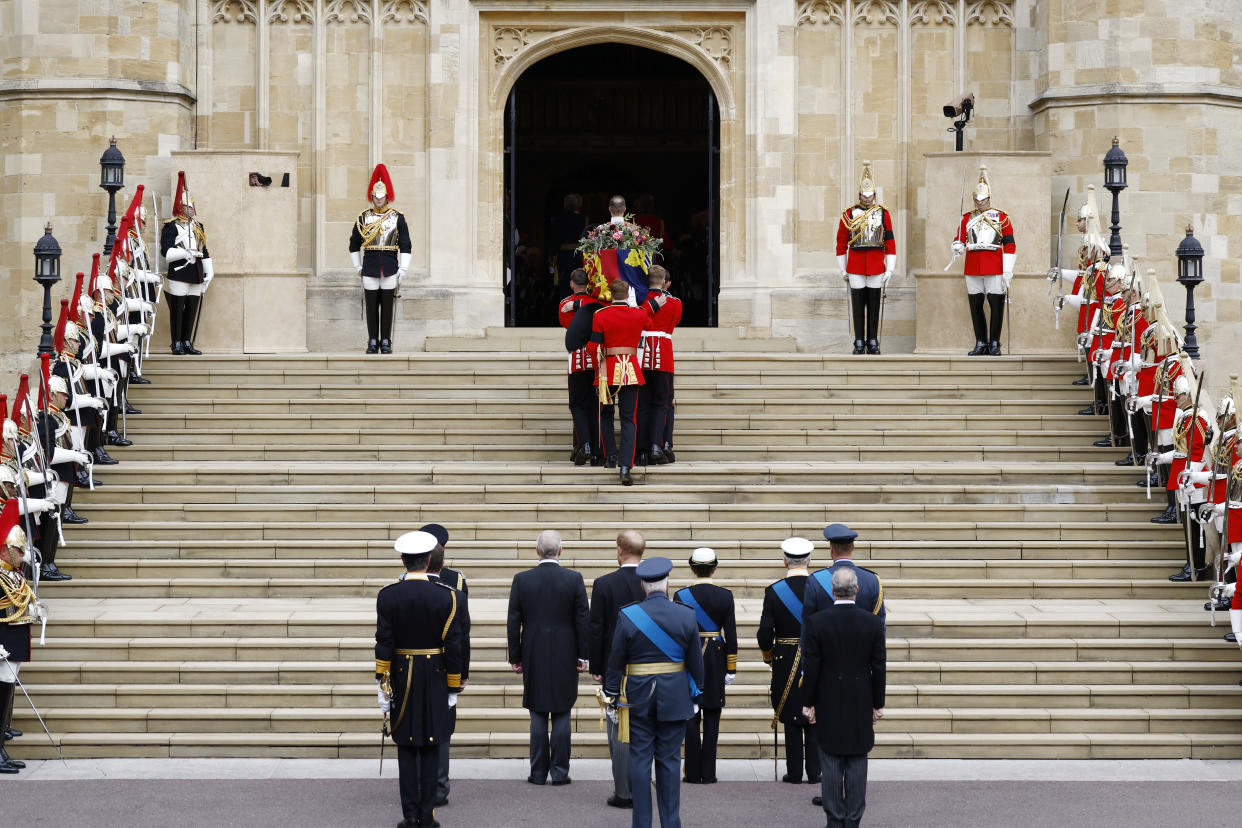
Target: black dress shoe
[(1231, 638), (860, 347), (556, 783), (626, 479), (49, 572), (980, 349), (611, 463), (873, 346), (817, 801), (441, 802), (1081, 381), (812, 780), (581, 454), (791, 779), (81, 479), (708, 780), (534, 780), (575, 454), (994, 349), (1153, 481), (102, 458), (114, 438), (1104, 442), (596, 460), (10, 734), (1128, 460), (615, 801), (67, 515), (178, 349), (137, 380), (1221, 606), (669, 457), (9, 760), (1089, 411), (642, 459), (690, 781), (385, 346), (1169, 515), (189, 348), (372, 346), (129, 409), (8, 767), (1183, 574), (657, 457)]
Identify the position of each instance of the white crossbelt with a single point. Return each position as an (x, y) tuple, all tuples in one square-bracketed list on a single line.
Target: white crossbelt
[(660, 334)]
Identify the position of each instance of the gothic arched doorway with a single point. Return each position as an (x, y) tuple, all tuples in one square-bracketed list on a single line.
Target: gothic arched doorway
[(603, 119)]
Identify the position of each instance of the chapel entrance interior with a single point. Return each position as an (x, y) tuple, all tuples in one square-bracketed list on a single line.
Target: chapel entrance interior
[(604, 119)]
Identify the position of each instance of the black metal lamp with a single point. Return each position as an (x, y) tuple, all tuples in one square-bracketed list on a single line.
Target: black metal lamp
[(1190, 275), (1115, 162), (112, 179), (47, 273)]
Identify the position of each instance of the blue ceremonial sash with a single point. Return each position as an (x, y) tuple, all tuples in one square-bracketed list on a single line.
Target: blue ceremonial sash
[(785, 592), (825, 581), (657, 636), (705, 621)]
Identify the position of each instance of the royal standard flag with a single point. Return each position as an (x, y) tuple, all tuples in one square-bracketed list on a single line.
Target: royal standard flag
[(627, 264)]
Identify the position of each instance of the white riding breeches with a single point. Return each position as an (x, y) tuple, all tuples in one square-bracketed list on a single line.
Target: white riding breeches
[(8, 672), (388, 282), (985, 284), (857, 282), (176, 288)]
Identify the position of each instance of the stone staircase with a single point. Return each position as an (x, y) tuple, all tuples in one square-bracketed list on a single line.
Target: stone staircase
[(223, 599)]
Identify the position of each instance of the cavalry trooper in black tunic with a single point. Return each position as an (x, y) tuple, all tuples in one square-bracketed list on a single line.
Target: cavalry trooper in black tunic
[(455, 580), (183, 244), (780, 633), (713, 608), (418, 668), (379, 247), (19, 608)]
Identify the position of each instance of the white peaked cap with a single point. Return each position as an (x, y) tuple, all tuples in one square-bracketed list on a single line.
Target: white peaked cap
[(703, 555), (415, 543), (797, 547)]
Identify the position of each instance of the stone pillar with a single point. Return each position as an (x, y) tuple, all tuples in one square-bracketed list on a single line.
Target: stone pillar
[(75, 72)]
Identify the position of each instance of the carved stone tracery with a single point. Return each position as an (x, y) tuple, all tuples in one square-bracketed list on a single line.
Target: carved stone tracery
[(404, 11), (507, 41), (876, 13), (990, 12), (820, 13), (291, 11), (347, 11), (933, 13), (230, 11)]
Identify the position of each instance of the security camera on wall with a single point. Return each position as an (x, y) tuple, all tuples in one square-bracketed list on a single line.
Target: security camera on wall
[(960, 107)]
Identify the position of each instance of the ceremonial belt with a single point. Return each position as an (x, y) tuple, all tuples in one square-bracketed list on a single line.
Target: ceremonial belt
[(381, 247), (709, 628), (426, 652), (409, 677), (657, 334), (655, 668), (620, 351), (785, 592), (790, 642)]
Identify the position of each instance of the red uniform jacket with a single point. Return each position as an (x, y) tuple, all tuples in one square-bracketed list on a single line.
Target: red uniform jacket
[(1216, 492), (658, 337), (867, 261), (581, 359), (1196, 451), (619, 326), (988, 262)]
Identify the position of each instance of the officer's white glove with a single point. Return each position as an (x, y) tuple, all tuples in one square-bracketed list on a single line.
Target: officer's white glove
[(385, 703), (841, 260), (1198, 476), (730, 678), (58, 497), (356, 258), (1071, 299), (1165, 457), (177, 254), (36, 505), (403, 264), (400, 274), (452, 699), (1007, 278), (958, 248), (696, 710), (81, 457), (4, 654)]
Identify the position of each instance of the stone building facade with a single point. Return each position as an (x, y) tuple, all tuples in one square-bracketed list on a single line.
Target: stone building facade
[(805, 90)]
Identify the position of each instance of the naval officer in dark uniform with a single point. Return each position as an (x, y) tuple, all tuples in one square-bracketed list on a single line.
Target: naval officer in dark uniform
[(819, 589), (455, 580), (655, 669), (418, 667), (714, 612), (780, 633)]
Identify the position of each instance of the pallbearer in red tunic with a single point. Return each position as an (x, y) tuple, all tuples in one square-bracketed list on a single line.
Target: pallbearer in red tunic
[(1192, 432), (1092, 251), (616, 332), (1223, 453), (19, 608), (655, 400), (985, 235), (866, 254), (582, 371)]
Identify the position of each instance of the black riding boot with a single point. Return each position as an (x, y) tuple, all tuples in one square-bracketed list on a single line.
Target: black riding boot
[(980, 324), (1169, 515), (187, 324), (385, 334), (996, 301), (176, 307), (873, 320), (7, 765), (858, 308), (371, 302)]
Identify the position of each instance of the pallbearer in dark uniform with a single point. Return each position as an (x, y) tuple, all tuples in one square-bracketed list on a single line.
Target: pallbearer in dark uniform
[(609, 594), (655, 400), (713, 609), (418, 668), (615, 335), (380, 250), (655, 670), (183, 243), (780, 633), (455, 580), (818, 593), (19, 608), (582, 368)]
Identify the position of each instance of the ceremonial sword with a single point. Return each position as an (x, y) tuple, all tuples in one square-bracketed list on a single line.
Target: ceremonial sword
[(1190, 444)]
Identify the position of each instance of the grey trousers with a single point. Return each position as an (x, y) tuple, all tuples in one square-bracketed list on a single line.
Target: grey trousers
[(620, 754), (549, 757), (844, 788), (658, 743), (442, 778)]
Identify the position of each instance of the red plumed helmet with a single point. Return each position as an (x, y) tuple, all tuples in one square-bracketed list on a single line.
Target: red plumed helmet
[(380, 178), (75, 306), (183, 199), (45, 370), (10, 525), (93, 286), (58, 338), (21, 401)]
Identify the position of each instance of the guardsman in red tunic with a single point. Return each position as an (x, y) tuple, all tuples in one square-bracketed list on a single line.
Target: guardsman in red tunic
[(616, 332), (1105, 342), (1192, 432), (1093, 250), (866, 254), (19, 608), (1125, 366), (1162, 406), (582, 371), (655, 400), (1223, 454), (985, 235)]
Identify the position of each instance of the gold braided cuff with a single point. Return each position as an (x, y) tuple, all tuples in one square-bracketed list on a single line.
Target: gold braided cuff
[(454, 681)]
